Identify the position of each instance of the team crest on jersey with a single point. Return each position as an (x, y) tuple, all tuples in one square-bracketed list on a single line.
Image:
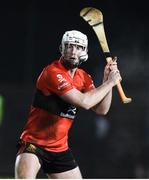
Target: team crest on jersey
[(60, 78), (62, 82)]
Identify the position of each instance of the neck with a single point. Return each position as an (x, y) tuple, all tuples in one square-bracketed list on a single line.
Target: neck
[(72, 72)]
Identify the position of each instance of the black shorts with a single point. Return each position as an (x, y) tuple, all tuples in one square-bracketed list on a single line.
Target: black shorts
[(51, 162)]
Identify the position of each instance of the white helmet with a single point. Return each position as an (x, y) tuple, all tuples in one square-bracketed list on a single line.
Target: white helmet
[(78, 38)]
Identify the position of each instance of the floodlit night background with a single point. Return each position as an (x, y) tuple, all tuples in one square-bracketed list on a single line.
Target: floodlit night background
[(111, 146)]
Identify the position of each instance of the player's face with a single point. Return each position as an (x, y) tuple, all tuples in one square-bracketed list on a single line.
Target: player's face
[(72, 54)]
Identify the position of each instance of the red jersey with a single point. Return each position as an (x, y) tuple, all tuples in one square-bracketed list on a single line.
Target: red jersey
[(48, 129)]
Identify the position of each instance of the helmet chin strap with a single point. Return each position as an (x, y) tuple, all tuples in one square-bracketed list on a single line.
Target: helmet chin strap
[(83, 57)]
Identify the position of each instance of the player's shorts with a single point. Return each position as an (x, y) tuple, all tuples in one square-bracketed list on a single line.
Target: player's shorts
[(51, 162)]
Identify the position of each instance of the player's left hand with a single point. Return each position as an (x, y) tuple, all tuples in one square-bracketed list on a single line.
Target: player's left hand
[(112, 65)]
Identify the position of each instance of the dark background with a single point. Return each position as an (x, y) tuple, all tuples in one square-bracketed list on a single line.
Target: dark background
[(114, 146)]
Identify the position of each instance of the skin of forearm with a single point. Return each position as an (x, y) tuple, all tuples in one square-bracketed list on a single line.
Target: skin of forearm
[(95, 96), (103, 107)]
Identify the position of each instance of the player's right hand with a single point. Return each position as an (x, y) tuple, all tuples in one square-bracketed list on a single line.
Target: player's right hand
[(114, 76)]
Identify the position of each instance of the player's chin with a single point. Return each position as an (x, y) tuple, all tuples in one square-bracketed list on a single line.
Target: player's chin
[(71, 65), (74, 60)]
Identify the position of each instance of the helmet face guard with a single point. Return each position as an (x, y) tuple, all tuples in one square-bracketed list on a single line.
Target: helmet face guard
[(78, 38)]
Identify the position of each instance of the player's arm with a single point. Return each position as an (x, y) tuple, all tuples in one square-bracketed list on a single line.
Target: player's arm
[(91, 98), (104, 106)]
